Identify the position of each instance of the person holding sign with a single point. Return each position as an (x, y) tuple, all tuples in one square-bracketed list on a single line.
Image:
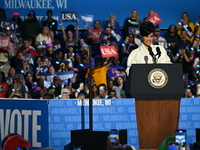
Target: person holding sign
[(131, 22), (147, 53)]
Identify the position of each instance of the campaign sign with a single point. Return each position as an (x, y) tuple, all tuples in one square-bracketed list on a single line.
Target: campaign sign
[(73, 114), (12, 24), (136, 30), (189, 117), (49, 77), (108, 51), (155, 19), (4, 42), (64, 76), (69, 16), (96, 33), (87, 19), (29, 118)]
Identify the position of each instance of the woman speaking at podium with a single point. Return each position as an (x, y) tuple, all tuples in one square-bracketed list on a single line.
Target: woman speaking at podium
[(147, 53)]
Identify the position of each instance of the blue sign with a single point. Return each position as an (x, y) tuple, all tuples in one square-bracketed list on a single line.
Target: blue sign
[(67, 115), (190, 117), (29, 118), (87, 19)]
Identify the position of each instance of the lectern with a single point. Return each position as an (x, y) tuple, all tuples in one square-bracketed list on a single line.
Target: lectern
[(157, 89)]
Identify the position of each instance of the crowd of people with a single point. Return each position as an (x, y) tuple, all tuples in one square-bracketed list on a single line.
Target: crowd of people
[(37, 49)]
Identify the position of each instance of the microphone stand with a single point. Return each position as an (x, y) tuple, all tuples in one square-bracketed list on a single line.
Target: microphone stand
[(90, 90)]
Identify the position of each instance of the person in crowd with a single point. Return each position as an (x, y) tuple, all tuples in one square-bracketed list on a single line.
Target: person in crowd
[(13, 141), (69, 53), (41, 40), (2, 14), (119, 86), (68, 34), (32, 23), (29, 80), (112, 94), (183, 43), (59, 63), (3, 86), (185, 24), (95, 90), (42, 74), (132, 22), (113, 68), (49, 51), (55, 88), (50, 22), (99, 70), (14, 41), (40, 88), (172, 37), (183, 58), (107, 37), (54, 41), (103, 90), (11, 73), (18, 29), (26, 49), (4, 64), (129, 41), (114, 25), (18, 85), (158, 39), (143, 54)]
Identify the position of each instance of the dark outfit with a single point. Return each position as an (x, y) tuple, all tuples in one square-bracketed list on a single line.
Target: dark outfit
[(172, 39), (51, 23), (129, 22), (183, 44)]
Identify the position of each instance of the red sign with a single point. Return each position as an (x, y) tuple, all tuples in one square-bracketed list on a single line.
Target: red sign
[(108, 51), (155, 19), (96, 33), (4, 42)]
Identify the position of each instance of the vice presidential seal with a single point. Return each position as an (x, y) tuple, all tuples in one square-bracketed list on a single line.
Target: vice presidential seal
[(157, 78)]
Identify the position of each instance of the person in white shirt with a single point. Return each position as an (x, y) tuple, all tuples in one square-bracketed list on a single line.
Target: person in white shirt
[(147, 53)]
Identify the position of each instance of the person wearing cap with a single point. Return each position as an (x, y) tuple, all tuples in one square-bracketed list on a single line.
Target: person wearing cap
[(16, 17), (158, 39), (31, 26), (13, 141), (143, 54), (49, 51)]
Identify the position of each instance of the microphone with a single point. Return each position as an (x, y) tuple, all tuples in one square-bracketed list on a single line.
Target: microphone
[(158, 52), (152, 54), (146, 59)]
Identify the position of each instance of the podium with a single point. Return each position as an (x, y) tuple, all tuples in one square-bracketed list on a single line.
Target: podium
[(157, 89)]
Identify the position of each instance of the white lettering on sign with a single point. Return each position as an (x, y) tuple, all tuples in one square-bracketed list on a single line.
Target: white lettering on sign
[(68, 16), (34, 4), (154, 19), (10, 119), (108, 51)]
